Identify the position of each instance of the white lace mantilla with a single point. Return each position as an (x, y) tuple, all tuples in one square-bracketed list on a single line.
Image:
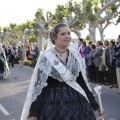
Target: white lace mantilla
[(44, 69)]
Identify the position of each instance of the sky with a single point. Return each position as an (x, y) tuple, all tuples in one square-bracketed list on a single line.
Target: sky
[(19, 11)]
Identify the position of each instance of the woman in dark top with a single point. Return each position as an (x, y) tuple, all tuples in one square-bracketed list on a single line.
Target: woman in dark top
[(60, 99)]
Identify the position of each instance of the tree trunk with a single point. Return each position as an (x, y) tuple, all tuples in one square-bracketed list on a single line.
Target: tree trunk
[(40, 38), (24, 47), (4, 42), (92, 31), (78, 33), (101, 35)]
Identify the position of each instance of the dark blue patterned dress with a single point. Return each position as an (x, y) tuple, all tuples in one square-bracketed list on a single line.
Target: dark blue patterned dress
[(58, 101)]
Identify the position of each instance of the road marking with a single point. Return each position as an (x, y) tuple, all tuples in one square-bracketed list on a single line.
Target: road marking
[(4, 110)]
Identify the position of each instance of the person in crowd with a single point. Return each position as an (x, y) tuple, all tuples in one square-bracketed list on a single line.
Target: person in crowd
[(82, 52), (97, 60), (34, 52), (80, 42), (4, 69), (91, 64), (28, 52), (5, 49), (116, 54), (112, 66), (19, 52), (60, 99), (106, 62), (87, 51), (2, 62), (11, 56)]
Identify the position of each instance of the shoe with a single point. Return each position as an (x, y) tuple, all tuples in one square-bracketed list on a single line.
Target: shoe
[(116, 86), (111, 86)]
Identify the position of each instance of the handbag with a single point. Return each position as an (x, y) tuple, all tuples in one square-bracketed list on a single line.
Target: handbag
[(102, 67)]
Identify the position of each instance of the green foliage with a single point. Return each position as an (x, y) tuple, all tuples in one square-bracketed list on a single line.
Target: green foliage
[(32, 39), (118, 20), (13, 26), (96, 9), (40, 13), (30, 63), (5, 29), (113, 8), (17, 60), (88, 6), (27, 62), (92, 17), (84, 10)]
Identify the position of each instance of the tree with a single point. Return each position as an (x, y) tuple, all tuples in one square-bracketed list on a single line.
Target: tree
[(71, 14), (7, 32), (111, 13), (95, 11), (42, 26)]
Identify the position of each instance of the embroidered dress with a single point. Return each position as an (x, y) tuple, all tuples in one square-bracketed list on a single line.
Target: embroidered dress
[(2, 66), (4, 69), (53, 99)]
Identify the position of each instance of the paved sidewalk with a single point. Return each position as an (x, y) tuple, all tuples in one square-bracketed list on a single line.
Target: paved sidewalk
[(13, 92)]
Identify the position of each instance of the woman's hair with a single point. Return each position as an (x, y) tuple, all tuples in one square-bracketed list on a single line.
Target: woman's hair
[(80, 39), (84, 43), (106, 43), (55, 30), (93, 46), (112, 42), (100, 43)]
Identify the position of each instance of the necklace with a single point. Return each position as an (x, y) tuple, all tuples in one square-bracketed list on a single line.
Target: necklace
[(61, 52)]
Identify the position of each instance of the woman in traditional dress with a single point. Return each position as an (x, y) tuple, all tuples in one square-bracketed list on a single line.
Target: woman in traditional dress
[(59, 89), (4, 70), (2, 67)]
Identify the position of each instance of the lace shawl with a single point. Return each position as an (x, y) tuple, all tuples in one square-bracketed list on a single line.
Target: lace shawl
[(44, 69)]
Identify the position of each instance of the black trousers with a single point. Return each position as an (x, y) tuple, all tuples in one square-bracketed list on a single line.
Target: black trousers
[(11, 60), (99, 75), (112, 74), (92, 73)]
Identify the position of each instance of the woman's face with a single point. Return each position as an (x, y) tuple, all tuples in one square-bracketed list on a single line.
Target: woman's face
[(111, 45), (63, 37)]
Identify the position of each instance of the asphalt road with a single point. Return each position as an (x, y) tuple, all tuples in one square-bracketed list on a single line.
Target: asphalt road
[(13, 90)]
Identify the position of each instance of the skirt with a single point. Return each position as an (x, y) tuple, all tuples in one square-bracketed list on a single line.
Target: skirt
[(2, 69), (61, 102)]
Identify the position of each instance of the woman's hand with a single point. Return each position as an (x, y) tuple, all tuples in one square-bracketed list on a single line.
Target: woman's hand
[(101, 112), (32, 118)]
